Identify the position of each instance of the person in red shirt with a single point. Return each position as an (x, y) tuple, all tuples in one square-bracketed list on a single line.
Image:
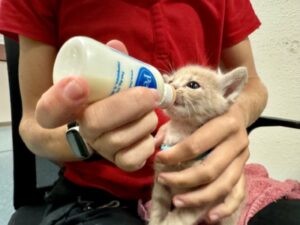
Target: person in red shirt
[(121, 129)]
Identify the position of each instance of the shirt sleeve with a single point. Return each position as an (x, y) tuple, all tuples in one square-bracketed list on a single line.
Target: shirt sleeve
[(239, 22), (31, 18)]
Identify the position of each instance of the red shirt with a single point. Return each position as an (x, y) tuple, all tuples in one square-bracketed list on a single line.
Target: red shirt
[(164, 33)]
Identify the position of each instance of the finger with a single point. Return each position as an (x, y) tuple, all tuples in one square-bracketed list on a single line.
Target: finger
[(134, 157), (62, 102), (203, 139), (231, 204), (160, 135), (118, 45), (116, 111), (111, 142), (211, 167), (217, 190)]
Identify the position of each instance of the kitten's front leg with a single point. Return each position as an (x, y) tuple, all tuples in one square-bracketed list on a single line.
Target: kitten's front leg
[(160, 204), (185, 216), (233, 219), (161, 201)]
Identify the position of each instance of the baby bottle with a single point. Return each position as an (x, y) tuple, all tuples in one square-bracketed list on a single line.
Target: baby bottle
[(107, 70)]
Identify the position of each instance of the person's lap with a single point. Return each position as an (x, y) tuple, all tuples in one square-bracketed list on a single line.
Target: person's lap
[(35, 215), (28, 215), (69, 204), (281, 212)]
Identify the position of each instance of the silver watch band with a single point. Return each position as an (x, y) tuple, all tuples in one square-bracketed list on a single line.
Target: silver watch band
[(77, 143)]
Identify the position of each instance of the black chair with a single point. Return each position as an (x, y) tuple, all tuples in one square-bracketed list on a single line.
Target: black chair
[(272, 122), (33, 175)]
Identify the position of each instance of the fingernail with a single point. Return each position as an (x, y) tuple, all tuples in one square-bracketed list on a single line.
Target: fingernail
[(156, 96), (73, 91), (178, 203), (213, 217)]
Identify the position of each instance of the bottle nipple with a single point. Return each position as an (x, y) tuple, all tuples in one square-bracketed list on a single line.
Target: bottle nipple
[(169, 96)]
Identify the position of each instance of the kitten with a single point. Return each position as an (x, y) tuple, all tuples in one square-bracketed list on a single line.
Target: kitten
[(202, 94)]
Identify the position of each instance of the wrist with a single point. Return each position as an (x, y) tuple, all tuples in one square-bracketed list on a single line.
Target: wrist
[(239, 113)]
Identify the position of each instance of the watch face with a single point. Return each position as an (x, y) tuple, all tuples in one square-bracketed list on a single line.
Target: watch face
[(77, 144)]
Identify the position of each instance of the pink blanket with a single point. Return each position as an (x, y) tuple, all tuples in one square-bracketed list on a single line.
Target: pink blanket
[(261, 191)]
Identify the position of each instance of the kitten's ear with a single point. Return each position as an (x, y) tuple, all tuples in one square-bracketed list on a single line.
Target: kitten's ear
[(233, 82)]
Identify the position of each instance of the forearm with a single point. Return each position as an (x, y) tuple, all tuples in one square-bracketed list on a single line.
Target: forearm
[(48, 143), (35, 65), (253, 99)]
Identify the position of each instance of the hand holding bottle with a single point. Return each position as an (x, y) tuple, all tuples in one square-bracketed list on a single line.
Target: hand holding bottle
[(116, 127)]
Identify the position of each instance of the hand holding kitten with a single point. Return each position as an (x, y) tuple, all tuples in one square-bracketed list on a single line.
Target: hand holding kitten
[(219, 173), (218, 179)]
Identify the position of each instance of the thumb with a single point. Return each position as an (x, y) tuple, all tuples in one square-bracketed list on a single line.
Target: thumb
[(118, 45), (62, 102)]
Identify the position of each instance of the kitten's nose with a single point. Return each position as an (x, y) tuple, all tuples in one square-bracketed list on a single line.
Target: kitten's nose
[(178, 101)]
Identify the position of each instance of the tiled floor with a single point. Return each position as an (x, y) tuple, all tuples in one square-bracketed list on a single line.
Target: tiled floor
[(6, 175)]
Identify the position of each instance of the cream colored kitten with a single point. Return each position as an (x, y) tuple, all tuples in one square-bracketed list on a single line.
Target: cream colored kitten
[(202, 94)]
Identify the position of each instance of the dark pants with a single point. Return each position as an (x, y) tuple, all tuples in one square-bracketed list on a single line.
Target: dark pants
[(281, 212), (115, 216), (68, 204)]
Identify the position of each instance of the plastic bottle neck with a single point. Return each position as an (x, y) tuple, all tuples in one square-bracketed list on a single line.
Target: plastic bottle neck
[(169, 96)]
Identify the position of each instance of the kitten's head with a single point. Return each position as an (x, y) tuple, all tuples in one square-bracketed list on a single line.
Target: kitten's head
[(203, 93)]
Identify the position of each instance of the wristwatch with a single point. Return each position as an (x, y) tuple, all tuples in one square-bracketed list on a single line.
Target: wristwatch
[(77, 143)]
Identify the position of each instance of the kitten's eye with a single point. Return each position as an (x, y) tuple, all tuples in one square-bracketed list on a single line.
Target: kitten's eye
[(193, 85)]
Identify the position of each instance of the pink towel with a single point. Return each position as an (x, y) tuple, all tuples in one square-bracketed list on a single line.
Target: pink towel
[(261, 191)]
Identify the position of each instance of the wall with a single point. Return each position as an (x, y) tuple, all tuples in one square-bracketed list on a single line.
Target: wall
[(276, 47), (6, 180), (6, 175), (4, 94)]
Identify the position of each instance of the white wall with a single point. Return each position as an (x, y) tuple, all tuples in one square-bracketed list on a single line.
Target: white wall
[(4, 91), (276, 47), (1, 39), (6, 169), (4, 95)]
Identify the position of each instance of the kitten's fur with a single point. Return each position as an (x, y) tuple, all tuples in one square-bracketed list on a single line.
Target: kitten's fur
[(192, 108)]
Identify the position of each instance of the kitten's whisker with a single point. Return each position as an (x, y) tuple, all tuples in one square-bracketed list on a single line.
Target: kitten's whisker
[(169, 68), (208, 58), (191, 107)]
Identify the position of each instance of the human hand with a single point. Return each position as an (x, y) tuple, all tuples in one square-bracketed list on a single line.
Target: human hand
[(232, 203), (212, 180), (117, 127)]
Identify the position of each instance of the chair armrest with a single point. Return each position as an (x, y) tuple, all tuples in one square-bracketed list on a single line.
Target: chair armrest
[(273, 121)]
